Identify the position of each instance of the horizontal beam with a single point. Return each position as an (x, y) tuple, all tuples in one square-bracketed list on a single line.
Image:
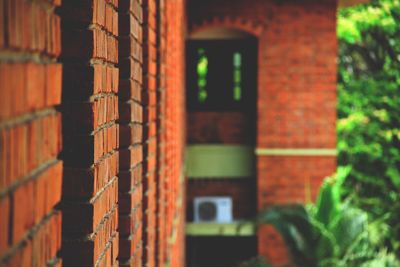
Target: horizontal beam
[(220, 161), (220, 178), (296, 152), (347, 3), (216, 229)]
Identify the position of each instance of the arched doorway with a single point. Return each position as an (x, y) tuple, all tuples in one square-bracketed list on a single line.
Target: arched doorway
[(221, 121)]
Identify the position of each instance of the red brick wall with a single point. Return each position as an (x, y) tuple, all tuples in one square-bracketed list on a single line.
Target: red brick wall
[(30, 133), (131, 132), (119, 88), (175, 131), (150, 100), (90, 132), (115, 102), (220, 127), (296, 94), (142, 147), (300, 104), (161, 237), (151, 125)]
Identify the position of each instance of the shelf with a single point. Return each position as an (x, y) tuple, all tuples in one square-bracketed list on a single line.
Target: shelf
[(229, 178), (244, 228)]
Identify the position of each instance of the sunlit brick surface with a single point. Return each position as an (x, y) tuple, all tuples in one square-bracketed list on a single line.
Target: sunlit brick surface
[(30, 133)]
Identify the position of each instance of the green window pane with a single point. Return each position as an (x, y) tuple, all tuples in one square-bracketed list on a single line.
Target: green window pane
[(237, 59), (237, 76), (202, 70), (237, 93)]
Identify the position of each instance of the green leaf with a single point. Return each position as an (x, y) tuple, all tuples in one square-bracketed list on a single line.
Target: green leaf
[(293, 223)]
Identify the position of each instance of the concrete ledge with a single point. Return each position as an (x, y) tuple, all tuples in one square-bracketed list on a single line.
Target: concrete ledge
[(220, 161), (244, 228), (296, 152), (347, 3)]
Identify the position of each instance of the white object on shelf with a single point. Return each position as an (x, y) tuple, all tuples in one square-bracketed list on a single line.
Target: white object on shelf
[(213, 209)]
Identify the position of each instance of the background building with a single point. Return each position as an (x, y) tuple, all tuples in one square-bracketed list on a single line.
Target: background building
[(93, 108)]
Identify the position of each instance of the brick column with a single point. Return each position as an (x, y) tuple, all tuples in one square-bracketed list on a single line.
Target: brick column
[(161, 193), (90, 132), (175, 130), (150, 129), (131, 133), (296, 110)]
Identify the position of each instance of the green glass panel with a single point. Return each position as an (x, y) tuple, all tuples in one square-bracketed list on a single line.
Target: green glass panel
[(237, 93), (237, 76), (237, 59), (202, 71), (202, 96), (224, 161)]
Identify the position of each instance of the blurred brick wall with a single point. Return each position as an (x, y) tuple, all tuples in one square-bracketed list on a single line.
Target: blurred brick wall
[(296, 94), (30, 133), (221, 127), (131, 132), (150, 62), (161, 237), (174, 133)]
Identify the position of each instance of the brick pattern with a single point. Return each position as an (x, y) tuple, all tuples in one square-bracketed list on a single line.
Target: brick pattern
[(151, 140), (284, 185), (271, 245), (150, 59), (175, 139), (90, 132), (161, 193), (30, 133), (117, 138), (307, 91), (296, 94), (123, 143), (131, 132), (220, 127)]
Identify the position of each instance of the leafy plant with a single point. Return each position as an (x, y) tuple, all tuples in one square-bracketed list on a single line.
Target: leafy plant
[(331, 232), (369, 111)]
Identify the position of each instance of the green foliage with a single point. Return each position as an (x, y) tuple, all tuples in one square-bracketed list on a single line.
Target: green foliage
[(331, 233), (354, 22), (383, 259), (369, 112)]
